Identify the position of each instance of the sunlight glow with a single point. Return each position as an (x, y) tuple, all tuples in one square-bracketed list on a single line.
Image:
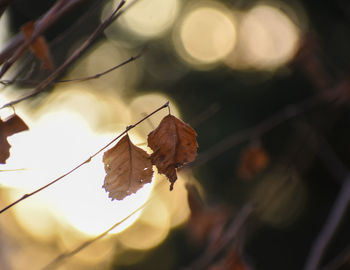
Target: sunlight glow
[(207, 34), (151, 229), (60, 139)]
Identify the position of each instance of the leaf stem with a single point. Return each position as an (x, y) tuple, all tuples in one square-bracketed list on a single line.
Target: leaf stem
[(25, 196)]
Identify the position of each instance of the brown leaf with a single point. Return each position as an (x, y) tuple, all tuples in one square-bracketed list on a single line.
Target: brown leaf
[(128, 168), (253, 160), (173, 143), (13, 124), (39, 46)]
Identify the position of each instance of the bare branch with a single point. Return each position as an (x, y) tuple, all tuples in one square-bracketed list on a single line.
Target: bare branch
[(329, 228)]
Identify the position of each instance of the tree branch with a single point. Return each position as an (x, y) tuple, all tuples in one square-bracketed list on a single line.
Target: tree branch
[(329, 228)]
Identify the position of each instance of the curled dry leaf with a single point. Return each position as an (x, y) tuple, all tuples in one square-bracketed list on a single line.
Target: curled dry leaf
[(128, 168), (13, 124), (253, 160), (173, 143), (39, 46)]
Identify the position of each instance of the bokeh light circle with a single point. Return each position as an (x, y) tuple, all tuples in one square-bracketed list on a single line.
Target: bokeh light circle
[(150, 18), (267, 39), (206, 34)]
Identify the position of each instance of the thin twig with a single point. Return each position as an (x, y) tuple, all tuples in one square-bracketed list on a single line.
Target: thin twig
[(98, 75), (25, 196), (95, 76), (42, 86), (329, 228), (266, 125), (338, 261), (203, 261), (66, 255)]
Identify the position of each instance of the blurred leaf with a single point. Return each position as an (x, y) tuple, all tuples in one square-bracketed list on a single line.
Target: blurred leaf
[(253, 160), (39, 46), (173, 143), (128, 168)]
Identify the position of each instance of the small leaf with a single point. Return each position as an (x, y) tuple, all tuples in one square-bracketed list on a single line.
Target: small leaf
[(128, 168), (13, 124), (253, 160), (173, 143), (39, 46)]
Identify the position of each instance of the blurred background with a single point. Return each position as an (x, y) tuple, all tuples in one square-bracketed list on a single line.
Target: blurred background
[(265, 85)]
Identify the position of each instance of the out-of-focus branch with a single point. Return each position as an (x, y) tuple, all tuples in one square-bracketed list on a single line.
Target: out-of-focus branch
[(264, 126), (329, 228), (339, 261), (42, 86), (66, 255), (3, 5), (18, 45), (230, 234)]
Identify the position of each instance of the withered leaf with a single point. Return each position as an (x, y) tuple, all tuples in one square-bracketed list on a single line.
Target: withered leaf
[(13, 124), (253, 160), (128, 168), (173, 143), (39, 46)]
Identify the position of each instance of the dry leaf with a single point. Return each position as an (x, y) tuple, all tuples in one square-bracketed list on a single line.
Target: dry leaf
[(253, 160), (173, 143), (13, 124), (128, 168), (39, 46)]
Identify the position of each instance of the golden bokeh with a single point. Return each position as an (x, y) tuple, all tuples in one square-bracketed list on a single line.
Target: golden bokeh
[(148, 18), (267, 39), (206, 34)]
